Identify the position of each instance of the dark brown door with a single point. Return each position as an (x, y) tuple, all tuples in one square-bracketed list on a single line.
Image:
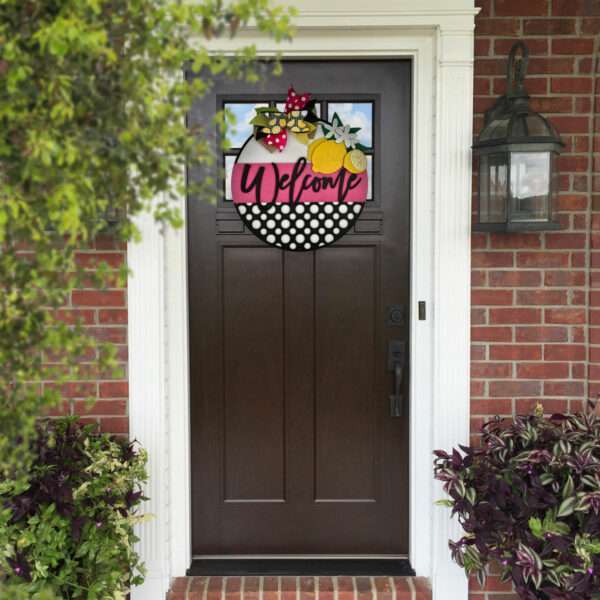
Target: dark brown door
[(294, 447)]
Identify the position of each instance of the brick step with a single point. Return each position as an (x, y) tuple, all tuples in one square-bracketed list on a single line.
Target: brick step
[(299, 588)]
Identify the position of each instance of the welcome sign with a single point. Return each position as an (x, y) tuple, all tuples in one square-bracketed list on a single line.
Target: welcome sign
[(299, 182)]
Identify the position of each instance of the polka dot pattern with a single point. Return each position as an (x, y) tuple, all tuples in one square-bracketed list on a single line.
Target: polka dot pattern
[(300, 227)]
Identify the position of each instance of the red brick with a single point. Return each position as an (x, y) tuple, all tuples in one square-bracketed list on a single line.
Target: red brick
[(491, 259), (515, 388), (478, 278), (556, 104), (515, 352), (497, 27), (491, 334), (488, 370), (482, 47), (542, 370), (215, 586), (566, 8), (563, 65), (98, 298), (573, 164), (114, 424), (197, 587), (563, 388), (573, 46), (564, 315), (567, 124), (477, 352), (572, 201), (542, 259), (549, 26), (515, 241), (590, 26), (564, 352), (557, 241), (515, 315), (542, 296), (482, 86), (477, 388), (491, 406), (541, 334), (478, 316), (491, 297), (482, 103), (114, 389), (478, 240), (564, 278), (112, 316), (490, 66), (514, 278), (518, 8)]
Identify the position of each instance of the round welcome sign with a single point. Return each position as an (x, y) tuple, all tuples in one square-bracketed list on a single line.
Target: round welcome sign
[(299, 182)]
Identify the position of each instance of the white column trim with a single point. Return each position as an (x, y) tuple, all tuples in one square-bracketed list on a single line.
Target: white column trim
[(147, 398), (439, 40)]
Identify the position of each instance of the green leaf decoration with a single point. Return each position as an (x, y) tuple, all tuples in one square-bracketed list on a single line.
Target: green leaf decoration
[(260, 121)]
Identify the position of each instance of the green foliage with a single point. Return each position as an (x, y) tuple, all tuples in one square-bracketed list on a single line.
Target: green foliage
[(92, 123), (528, 498), (68, 528)]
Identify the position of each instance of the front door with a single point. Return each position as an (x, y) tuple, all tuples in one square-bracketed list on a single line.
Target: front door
[(299, 446)]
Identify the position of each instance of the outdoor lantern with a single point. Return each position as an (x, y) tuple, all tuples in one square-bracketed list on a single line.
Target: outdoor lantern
[(517, 152)]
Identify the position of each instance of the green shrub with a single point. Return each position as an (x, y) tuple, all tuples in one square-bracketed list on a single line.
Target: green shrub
[(68, 527)]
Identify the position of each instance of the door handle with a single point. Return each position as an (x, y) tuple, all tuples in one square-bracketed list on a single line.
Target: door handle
[(396, 351)]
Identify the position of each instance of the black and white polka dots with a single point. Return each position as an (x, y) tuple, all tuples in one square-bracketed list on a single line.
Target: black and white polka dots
[(300, 226)]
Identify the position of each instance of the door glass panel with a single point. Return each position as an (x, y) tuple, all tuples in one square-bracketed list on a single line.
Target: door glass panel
[(355, 114), (229, 162), (370, 175), (241, 113)]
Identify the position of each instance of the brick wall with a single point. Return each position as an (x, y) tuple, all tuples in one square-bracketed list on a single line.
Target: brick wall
[(536, 311), (104, 313)]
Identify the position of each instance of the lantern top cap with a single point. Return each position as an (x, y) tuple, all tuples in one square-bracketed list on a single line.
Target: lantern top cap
[(511, 124)]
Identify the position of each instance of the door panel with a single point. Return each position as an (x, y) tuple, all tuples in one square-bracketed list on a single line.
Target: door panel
[(294, 450), (253, 369)]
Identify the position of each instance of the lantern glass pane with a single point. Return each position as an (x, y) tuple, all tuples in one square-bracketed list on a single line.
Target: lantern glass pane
[(493, 170), (530, 186)]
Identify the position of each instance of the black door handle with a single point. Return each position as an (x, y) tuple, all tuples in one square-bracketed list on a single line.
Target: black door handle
[(396, 351)]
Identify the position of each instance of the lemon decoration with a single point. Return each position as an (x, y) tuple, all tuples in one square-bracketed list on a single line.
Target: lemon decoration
[(328, 157), (355, 161), (312, 146)]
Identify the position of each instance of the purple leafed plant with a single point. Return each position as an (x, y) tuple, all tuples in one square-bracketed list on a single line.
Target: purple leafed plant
[(529, 498)]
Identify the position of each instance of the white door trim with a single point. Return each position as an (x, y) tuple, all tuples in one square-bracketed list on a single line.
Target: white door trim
[(439, 40)]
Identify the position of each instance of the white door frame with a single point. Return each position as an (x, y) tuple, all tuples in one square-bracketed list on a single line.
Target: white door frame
[(439, 40)]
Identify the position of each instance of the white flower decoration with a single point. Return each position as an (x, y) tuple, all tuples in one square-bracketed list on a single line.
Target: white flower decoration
[(343, 135)]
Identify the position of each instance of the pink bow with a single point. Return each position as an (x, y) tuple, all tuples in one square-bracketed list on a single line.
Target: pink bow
[(296, 101)]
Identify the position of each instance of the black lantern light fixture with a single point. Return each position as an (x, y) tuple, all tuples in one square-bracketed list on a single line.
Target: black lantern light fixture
[(517, 151)]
